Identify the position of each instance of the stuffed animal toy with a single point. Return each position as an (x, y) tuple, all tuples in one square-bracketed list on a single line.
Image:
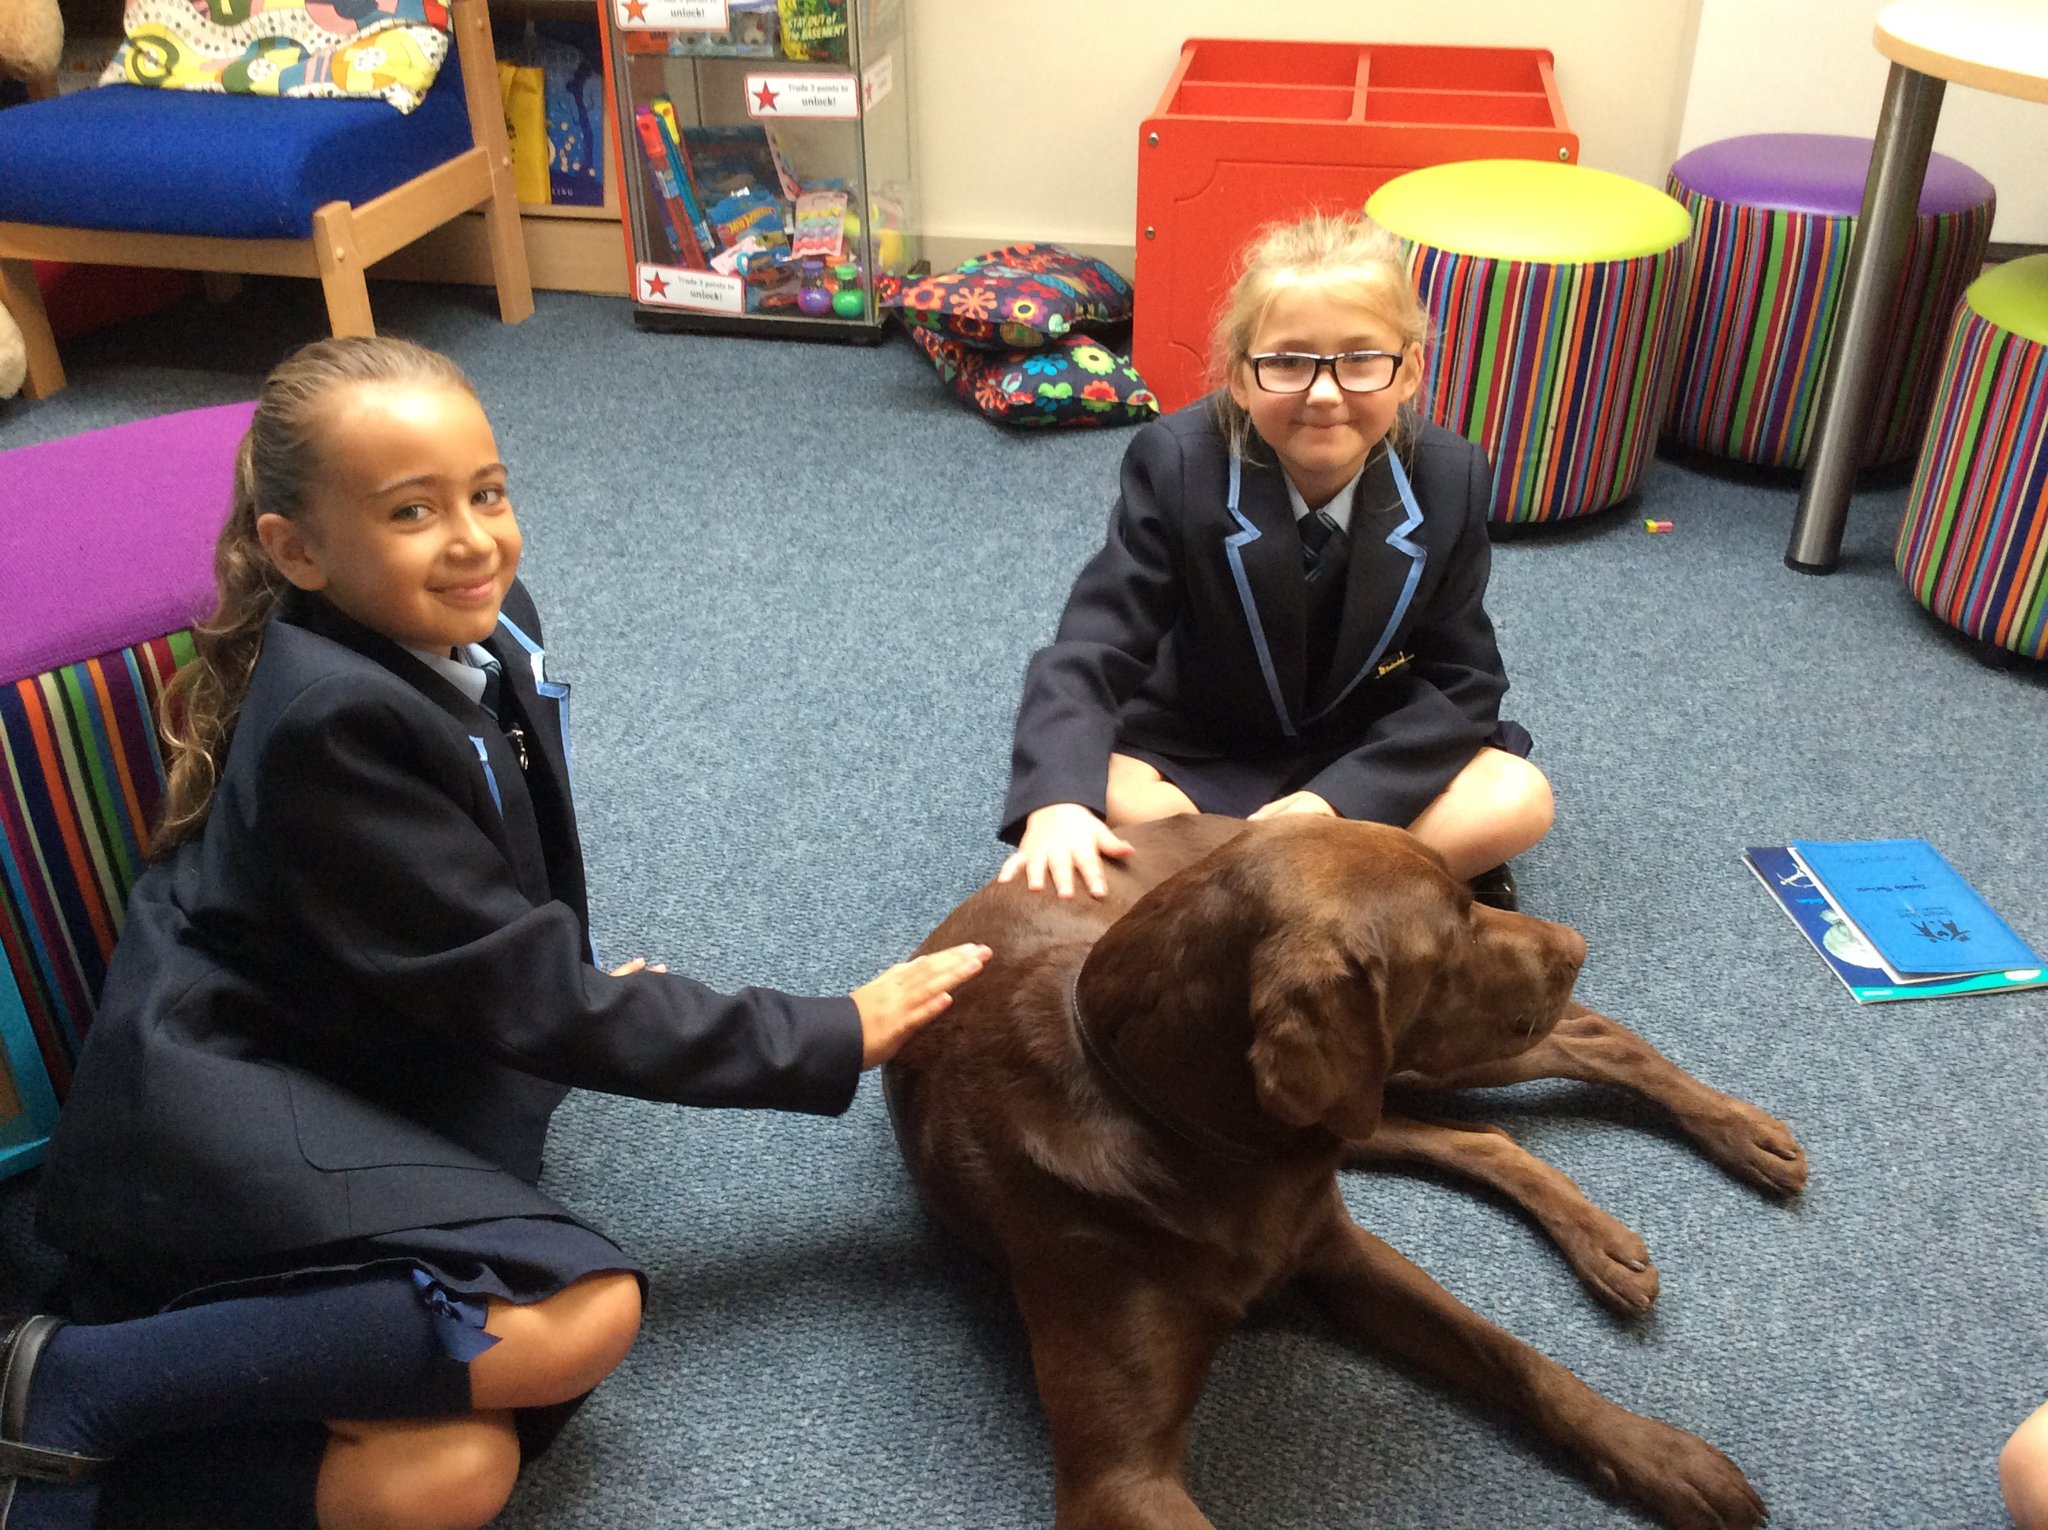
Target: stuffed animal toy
[(31, 42), (13, 357)]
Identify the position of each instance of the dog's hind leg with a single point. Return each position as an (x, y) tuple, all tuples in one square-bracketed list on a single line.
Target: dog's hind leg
[(1593, 1049), (1382, 1299), (1120, 1366), (1606, 1255)]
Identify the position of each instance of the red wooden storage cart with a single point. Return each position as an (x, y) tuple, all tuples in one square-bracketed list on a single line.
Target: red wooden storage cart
[(1249, 132)]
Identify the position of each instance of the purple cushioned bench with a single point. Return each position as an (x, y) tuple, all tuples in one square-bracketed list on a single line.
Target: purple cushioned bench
[(106, 557), (1772, 219)]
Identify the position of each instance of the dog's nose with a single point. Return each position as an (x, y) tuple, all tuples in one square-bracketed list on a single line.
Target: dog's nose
[(1571, 954), (1577, 946)]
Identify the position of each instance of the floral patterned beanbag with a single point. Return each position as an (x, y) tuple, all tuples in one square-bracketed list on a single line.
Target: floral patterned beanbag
[(1075, 381), (389, 49), (1018, 298)]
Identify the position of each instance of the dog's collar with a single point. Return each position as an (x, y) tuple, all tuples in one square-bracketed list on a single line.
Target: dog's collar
[(1191, 1132)]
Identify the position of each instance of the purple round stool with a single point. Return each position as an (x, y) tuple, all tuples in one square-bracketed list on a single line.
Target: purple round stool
[(106, 557), (1772, 218)]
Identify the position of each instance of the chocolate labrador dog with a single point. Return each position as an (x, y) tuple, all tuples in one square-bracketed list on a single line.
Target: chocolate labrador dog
[(1138, 1112)]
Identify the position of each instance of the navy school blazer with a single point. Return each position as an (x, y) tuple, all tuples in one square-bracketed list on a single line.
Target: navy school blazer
[(1186, 633), (352, 1003)]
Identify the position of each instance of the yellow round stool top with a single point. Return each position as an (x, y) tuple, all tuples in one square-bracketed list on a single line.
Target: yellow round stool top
[(2014, 296), (1529, 210)]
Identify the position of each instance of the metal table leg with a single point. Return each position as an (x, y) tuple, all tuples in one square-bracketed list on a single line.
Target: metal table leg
[(1891, 198)]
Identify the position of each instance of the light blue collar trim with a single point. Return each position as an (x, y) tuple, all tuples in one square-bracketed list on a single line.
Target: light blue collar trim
[(1233, 549)]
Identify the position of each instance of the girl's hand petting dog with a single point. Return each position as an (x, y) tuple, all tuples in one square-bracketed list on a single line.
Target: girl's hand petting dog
[(1065, 842), (908, 995)]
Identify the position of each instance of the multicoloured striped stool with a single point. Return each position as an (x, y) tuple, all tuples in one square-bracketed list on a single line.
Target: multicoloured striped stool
[(1772, 218), (1973, 547), (1552, 288), (106, 548)]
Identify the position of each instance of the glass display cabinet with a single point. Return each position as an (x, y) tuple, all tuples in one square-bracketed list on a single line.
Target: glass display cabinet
[(766, 146)]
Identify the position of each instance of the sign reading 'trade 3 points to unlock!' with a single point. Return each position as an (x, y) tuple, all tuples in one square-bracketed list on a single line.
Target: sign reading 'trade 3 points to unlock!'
[(803, 95), (672, 15)]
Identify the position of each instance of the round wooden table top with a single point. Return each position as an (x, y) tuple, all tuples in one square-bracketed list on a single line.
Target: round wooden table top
[(1996, 45)]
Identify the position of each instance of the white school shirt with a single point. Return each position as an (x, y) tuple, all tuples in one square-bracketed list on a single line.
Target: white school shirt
[(466, 674), (1339, 507)]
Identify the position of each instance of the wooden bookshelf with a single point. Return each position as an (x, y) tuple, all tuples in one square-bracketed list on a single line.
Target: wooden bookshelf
[(568, 249)]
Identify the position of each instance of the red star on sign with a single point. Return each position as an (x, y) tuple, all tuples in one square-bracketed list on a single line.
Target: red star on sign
[(636, 10), (657, 286), (765, 98)]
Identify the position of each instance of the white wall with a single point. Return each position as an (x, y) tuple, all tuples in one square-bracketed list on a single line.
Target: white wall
[(1809, 66), (1027, 115)]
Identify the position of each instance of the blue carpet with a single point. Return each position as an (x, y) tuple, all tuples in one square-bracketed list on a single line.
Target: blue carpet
[(796, 587)]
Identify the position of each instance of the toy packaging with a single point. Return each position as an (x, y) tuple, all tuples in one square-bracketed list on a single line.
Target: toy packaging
[(753, 30), (748, 215), (729, 159), (821, 224)]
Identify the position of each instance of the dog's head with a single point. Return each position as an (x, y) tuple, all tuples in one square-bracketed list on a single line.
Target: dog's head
[(1374, 961), (1357, 955)]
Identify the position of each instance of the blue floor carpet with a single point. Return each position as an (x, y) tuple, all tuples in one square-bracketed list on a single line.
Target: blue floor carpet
[(796, 586)]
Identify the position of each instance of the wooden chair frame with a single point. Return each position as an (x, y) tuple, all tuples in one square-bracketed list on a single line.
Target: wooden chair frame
[(346, 239)]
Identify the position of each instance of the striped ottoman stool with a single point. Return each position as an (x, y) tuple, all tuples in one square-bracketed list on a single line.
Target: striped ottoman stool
[(1772, 218), (106, 556), (1973, 547), (1552, 289)]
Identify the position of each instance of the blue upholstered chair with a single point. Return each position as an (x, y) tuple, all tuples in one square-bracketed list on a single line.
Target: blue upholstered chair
[(133, 176)]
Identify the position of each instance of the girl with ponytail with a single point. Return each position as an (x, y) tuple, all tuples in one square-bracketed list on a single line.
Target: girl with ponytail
[(314, 1281), (274, 468)]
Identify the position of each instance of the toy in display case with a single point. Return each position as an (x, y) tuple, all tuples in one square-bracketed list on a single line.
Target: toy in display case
[(766, 149)]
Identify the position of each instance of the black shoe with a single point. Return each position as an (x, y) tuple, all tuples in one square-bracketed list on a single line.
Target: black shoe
[(1496, 889), (19, 1352)]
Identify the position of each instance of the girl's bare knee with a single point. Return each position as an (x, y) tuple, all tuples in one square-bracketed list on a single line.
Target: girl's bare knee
[(552, 1350), (443, 1474), (2023, 1472), (614, 1316), (1134, 793), (1534, 806), (601, 1321), (476, 1479)]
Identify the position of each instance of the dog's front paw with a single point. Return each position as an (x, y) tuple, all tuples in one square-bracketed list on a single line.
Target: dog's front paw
[(1609, 1257), (1677, 1476), (1751, 1145)]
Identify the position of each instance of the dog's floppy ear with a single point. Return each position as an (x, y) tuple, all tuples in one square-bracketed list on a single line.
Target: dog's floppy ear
[(1320, 1053)]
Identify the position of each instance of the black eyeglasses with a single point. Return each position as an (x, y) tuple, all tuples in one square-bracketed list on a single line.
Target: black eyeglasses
[(1355, 371)]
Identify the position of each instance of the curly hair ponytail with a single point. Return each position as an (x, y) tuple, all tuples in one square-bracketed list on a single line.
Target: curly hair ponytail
[(274, 470)]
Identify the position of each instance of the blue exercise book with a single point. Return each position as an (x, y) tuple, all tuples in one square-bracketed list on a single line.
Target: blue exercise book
[(1913, 908), (1848, 955)]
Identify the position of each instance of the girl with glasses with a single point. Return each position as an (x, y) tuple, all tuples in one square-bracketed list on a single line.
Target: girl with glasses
[(1288, 615)]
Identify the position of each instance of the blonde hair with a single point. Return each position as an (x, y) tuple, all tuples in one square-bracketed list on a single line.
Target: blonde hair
[(275, 466), (1337, 249)]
